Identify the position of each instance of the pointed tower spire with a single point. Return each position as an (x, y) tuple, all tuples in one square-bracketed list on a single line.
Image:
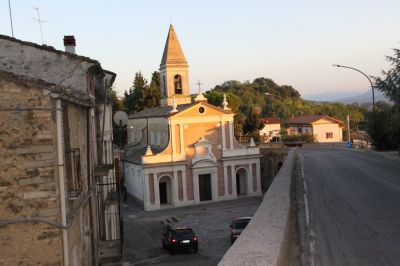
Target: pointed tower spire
[(174, 72), (173, 53)]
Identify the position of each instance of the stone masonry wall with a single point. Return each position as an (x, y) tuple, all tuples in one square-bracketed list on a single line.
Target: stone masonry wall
[(55, 66), (76, 138), (28, 179), (271, 161)]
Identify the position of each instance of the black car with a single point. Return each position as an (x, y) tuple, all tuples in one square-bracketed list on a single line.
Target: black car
[(178, 237), (237, 226)]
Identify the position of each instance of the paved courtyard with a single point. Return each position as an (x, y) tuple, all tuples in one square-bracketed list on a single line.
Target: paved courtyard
[(210, 221)]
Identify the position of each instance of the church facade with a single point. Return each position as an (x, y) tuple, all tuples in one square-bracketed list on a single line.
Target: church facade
[(184, 152)]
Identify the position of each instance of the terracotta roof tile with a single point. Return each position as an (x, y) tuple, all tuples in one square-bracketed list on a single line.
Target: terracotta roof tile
[(311, 119), (270, 120)]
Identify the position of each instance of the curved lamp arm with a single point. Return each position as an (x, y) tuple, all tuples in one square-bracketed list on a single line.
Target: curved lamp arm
[(372, 85)]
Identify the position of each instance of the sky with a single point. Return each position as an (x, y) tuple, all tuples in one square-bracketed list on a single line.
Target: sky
[(292, 42)]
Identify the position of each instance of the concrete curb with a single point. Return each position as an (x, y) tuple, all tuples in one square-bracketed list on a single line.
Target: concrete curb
[(264, 240)]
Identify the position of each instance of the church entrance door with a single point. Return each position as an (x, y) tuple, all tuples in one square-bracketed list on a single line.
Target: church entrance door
[(205, 187), (241, 182), (165, 190), (163, 193)]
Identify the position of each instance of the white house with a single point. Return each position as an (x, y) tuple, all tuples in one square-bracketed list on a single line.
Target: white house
[(324, 128), (271, 129)]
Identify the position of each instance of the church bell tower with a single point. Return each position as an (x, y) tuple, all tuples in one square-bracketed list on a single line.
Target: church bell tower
[(174, 73)]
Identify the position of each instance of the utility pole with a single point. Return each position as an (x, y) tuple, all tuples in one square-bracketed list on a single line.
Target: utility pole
[(348, 127), (12, 28), (40, 22)]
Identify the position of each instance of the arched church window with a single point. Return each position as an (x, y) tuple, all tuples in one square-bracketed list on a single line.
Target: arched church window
[(178, 84)]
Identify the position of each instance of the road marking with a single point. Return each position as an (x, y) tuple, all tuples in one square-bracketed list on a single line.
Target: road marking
[(307, 211)]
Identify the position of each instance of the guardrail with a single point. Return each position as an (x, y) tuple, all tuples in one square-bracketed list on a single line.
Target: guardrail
[(265, 241)]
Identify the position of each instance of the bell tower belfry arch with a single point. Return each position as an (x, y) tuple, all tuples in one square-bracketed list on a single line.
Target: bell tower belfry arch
[(174, 72)]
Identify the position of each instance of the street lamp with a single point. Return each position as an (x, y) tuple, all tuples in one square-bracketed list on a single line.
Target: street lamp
[(274, 95), (372, 86)]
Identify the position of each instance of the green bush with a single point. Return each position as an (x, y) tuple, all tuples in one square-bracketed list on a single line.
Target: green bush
[(307, 138)]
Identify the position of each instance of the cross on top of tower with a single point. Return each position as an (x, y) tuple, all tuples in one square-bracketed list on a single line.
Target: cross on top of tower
[(199, 83)]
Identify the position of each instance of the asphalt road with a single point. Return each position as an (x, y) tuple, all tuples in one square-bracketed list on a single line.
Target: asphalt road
[(349, 207)]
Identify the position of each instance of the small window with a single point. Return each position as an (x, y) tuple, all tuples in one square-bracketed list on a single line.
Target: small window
[(73, 170), (329, 135), (178, 84), (201, 110), (164, 85)]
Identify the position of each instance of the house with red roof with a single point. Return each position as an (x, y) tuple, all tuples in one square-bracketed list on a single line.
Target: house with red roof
[(271, 129), (323, 127)]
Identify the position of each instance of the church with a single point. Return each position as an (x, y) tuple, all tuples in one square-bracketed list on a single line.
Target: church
[(184, 152)]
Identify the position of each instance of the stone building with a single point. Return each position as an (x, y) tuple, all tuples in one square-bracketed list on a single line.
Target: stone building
[(184, 152), (56, 159)]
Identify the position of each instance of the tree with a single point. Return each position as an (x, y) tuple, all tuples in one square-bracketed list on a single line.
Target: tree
[(141, 95), (118, 103), (253, 122), (390, 83), (384, 127), (134, 100), (153, 93), (216, 98)]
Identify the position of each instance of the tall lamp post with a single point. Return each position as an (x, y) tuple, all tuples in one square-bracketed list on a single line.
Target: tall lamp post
[(274, 95), (372, 85)]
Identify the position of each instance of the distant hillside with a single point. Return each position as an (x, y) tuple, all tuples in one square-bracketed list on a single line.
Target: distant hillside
[(347, 97), (365, 97)]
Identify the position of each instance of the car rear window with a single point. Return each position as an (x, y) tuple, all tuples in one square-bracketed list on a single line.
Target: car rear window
[(183, 234), (240, 224)]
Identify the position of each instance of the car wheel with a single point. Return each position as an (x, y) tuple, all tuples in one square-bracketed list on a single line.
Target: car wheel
[(196, 249)]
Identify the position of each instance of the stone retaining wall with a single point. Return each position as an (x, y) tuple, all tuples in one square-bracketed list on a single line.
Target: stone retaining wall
[(263, 241)]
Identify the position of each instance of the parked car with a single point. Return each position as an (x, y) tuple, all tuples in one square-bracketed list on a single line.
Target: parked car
[(238, 225), (177, 237)]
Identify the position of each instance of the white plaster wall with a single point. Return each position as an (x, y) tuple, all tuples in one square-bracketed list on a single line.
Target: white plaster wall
[(134, 180), (49, 66), (137, 131), (320, 131), (270, 131)]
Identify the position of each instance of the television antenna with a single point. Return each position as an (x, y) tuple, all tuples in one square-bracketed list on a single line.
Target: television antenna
[(40, 21), (12, 28)]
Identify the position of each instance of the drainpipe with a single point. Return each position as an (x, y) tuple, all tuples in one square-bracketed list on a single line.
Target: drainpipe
[(61, 180), (89, 177)]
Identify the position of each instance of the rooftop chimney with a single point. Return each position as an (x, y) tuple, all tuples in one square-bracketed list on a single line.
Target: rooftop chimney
[(69, 43)]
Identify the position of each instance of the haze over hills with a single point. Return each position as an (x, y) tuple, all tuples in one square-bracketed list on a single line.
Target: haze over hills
[(347, 97)]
